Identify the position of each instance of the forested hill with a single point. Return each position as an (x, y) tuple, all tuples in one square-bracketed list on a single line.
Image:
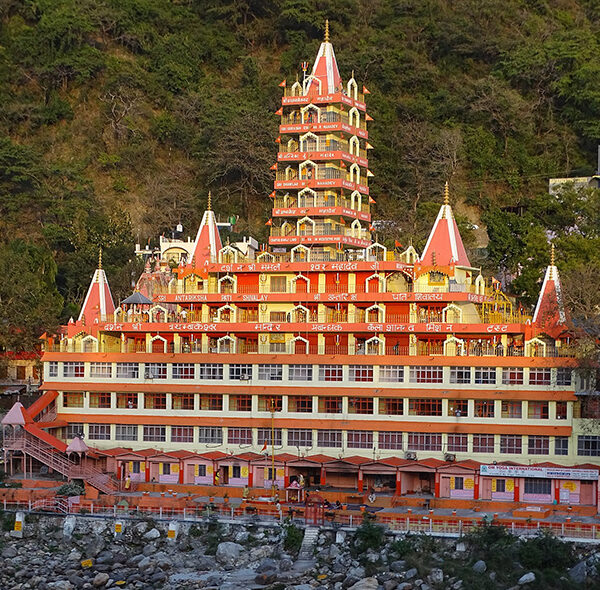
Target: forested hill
[(118, 116)]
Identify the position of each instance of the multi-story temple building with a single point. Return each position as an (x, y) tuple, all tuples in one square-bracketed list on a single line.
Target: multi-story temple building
[(356, 365)]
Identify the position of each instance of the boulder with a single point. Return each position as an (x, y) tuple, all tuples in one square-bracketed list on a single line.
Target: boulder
[(398, 566), (228, 553), (411, 573), (526, 579), (366, 584), (266, 565), (100, 580), (152, 534), (579, 572), (9, 552), (479, 567)]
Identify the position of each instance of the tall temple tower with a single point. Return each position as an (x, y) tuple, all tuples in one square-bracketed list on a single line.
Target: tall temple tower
[(322, 203)]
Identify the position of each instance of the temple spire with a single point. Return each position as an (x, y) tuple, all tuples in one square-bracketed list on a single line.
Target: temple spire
[(325, 77), (326, 30), (98, 305), (446, 194), (549, 314), (209, 204), (100, 259), (208, 241)]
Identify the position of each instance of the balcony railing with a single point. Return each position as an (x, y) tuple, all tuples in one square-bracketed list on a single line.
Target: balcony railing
[(291, 201), (312, 117), (321, 145), (288, 91)]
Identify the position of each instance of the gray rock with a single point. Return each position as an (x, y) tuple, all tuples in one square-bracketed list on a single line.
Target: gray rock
[(144, 564), (60, 585), (266, 565), (404, 586), (204, 563), (228, 553), (105, 557), (398, 566), (526, 579), (149, 549), (74, 556), (461, 547), (94, 545), (579, 572), (303, 587), (425, 586), (286, 564), (152, 534), (436, 576), (241, 536), (100, 580), (141, 527), (334, 551), (411, 573), (479, 567), (9, 552), (366, 584)]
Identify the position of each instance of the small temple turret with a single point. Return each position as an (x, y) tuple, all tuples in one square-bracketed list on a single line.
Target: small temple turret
[(98, 305), (549, 314), (444, 246), (208, 241)]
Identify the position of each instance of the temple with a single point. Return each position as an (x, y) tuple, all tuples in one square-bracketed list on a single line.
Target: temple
[(326, 356)]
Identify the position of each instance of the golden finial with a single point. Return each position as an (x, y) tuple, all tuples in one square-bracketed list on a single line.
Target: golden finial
[(209, 204), (100, 259), (352, 74), (446, 194), (296, 76), (326, 30), (552, 255)]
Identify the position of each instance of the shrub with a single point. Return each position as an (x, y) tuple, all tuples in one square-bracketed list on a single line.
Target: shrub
[(368, 536), (70, 489), (293, 536), (546, 551)]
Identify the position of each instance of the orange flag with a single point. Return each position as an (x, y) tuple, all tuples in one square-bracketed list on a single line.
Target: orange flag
[(273, 167), (279, 112), (282, 84), (366, 90), (278, 140), (270, 222)]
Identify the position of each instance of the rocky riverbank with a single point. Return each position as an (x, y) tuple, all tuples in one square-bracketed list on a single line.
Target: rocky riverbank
[(89, 553)]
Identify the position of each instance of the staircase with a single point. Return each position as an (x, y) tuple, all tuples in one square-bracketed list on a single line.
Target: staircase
[(51, 505), (54, 459), (307, 549)]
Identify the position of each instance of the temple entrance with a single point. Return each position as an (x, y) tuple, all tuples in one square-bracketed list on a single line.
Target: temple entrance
[(314, 514)]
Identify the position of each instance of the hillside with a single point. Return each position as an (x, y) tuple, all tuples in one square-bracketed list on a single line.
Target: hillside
[(118, 116)]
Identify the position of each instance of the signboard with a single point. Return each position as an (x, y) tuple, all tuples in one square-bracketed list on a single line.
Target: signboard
[(542, 472)]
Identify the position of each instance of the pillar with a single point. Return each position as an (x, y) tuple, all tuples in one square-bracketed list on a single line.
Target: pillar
[(360, 480), (556, 483), (476, 487), (147, 470), (323, 476), (286, 476), (250, 476), (437, 485), (398, 483), (516, 496), (181, 472)]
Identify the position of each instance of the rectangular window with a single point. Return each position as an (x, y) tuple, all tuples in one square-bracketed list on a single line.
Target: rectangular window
[(183, 401), (483, 443), (53, 369), (210, 435), (182, 434), (154, 433), (501, 485), (360, 405), (300, 372), (561, 410), (101, 370), (458, 407), (484, 408), (425, 407), (73, 399), (240, 372), (512, 409), (155, 401), (270, 372), (422, 374), (390, 440), (128, 370), (460, 374), (564, 377), (240, 403), (360, 439), (126, 432), (299, 437), (183, 371), (538, 410), (538, 486), (331, 373), (100, 399), (458, 443), (210, 401), (511, 444), (361, 373), (538, 445), (330, 405), (236, 471), (391, 373), (270, 403), (300, 403), (201, 470), (73, 370), (239, 436), (264, 437), (166, 468), (74, 429), (99, 432), (329, 438), (588, 446), (127, 401), (512, 376), (392, 406), (210, 371), (424, 441), (278, 284), (539, 376), (485, 375), (561, 445), (155, 370), (459, 483)]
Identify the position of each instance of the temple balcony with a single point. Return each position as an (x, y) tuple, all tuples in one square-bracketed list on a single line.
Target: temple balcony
[(321, 199), (297, 92), (313, 117), (323, 145)]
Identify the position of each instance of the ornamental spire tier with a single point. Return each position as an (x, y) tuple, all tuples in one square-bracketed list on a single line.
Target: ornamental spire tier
[(208, 241), (549, 315), (98, 305), (444, 246), (322, 201)]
